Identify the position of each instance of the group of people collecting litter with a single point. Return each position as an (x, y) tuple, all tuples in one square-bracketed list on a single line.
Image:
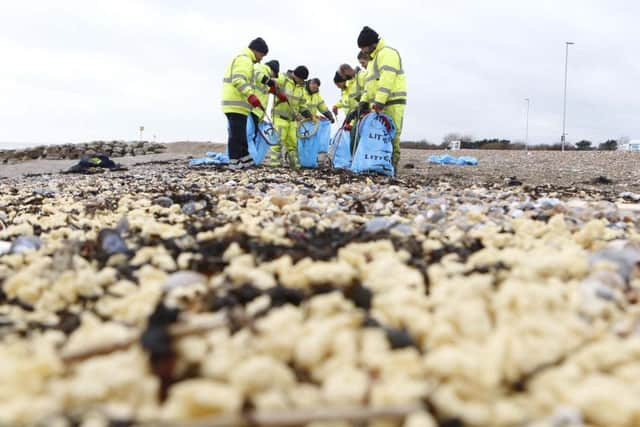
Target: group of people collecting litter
[(379, 87)]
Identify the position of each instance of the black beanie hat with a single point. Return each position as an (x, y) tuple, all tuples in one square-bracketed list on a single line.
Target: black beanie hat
[(315, 79), (301, 72), (338, 78), (367, 37), (259, 45), (274, 65)]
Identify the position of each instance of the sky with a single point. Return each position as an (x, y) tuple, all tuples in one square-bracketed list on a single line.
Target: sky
[(73, 71)]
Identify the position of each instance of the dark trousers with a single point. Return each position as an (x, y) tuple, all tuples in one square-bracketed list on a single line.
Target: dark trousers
[(237, 135)]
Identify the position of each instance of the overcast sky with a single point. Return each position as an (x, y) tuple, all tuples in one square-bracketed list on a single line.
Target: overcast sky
[(88, 70)]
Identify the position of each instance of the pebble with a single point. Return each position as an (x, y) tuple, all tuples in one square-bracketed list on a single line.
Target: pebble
[(625, 257), (24, 244), (5, 247), (111, 243), (567, 416), (280, 202), (378, 224), (45, 192), (191, 208), (181, 279), (548, 202), (516, 213), (402, 229), (164, 202), (630, 196)]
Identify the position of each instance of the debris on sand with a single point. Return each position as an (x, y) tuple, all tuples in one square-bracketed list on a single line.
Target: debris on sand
[(173, 295)]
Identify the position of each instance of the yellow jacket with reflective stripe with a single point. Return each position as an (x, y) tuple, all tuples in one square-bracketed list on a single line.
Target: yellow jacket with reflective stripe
[(351, 95), (385, 80), (315, 104), (345, 102), (236, 86), (260, 89), (359, 85), (296, 95)]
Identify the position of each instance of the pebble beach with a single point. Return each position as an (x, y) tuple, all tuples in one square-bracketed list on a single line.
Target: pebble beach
[(505, 294)]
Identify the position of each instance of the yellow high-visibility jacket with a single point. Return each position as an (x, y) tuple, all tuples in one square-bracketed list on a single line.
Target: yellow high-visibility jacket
[(236, 86), (296, 95), (315, 104), (348, 100), (385, 81), (261, 74), (359, 85)]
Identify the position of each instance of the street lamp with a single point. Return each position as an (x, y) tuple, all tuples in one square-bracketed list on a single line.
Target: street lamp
[(564, 110), (526, 135)]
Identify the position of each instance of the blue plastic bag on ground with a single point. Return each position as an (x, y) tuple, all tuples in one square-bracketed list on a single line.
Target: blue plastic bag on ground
[(211, 158), (324, 135), (260, 140), (340, 149), (375, 145), (467, 160), (447, 159), (308, 144)]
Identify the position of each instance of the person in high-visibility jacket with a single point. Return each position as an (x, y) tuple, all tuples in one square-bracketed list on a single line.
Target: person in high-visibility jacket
[(315, 102), (385, 86), (238, 98), (264, 83), (355, 83), (286, 115), (361, 75), (344, 103)]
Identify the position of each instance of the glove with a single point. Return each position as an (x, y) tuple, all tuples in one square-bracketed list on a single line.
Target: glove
[(254, 101), (306, 114), (351, 116), (378, 107), (335, 110), (347, 126), (364, 107), (282, 97), (385, 122), (329, 116)]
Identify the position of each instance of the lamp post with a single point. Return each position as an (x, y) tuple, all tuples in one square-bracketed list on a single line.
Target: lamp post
[(564, 110), (526, 134)]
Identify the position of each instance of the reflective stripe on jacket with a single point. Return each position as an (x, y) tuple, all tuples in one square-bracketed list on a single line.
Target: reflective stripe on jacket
[(385, 81), (315, 104), (348, 99), (296, 95), (260, 72), (237, 83)]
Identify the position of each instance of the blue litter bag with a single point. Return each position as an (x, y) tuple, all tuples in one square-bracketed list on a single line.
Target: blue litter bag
[(447, 159), (467, 160), (324, 135), (340, 149), (260, 140), (375, 148), (308, 143), (211, 158)]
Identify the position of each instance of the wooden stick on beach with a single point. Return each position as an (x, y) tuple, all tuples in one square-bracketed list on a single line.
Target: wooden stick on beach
[(298, 417), (176, 331)]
